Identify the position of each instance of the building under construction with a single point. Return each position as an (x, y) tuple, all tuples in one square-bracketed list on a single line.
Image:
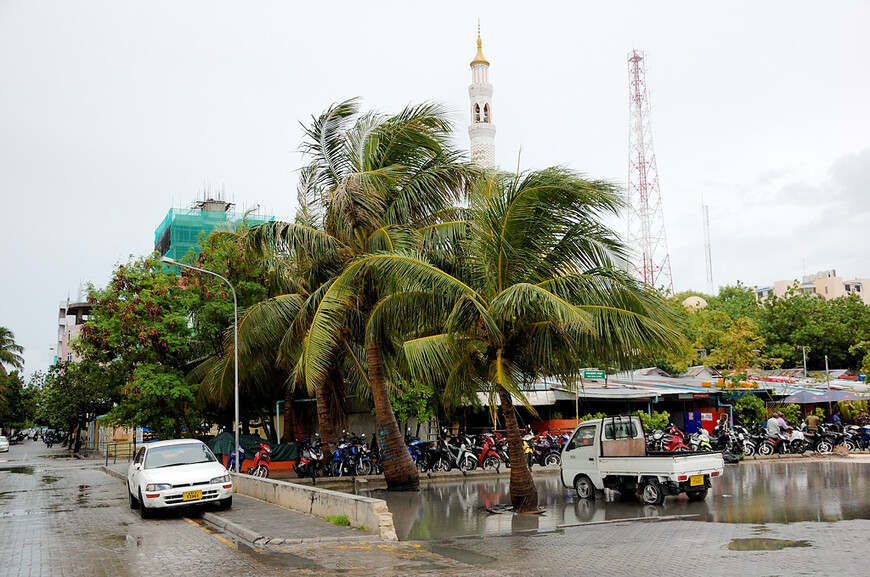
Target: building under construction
[(180, 231)]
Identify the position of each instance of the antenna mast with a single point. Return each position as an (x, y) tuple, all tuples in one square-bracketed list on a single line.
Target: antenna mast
[(646, 224), (708, 257)]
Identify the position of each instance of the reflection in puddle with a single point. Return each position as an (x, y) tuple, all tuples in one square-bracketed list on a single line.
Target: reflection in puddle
[(756, 492), (761, 544)]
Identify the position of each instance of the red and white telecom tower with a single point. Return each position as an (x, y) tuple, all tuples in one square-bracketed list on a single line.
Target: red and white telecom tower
[(646, 224)]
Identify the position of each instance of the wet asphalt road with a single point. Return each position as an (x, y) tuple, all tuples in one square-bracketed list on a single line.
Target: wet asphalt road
[(61, 517)]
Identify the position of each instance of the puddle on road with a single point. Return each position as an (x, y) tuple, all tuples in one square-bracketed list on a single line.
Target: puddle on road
[(49, 479), (764, 544), (461, 555)]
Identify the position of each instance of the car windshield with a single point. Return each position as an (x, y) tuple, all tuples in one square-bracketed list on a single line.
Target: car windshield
[(178, 455)]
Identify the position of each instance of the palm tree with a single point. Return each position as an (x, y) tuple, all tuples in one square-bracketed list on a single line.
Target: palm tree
[(10, 350), (537, 293), (374, 185)]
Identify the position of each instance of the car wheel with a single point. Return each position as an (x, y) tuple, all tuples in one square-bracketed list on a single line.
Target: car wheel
[(584, 487), (226, 503), (134, 502), (651, 493), (144, 512)]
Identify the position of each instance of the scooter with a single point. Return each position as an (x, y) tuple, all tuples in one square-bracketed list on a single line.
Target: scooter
[(310, 462), (231, 460), (261, 461), (700, 441)]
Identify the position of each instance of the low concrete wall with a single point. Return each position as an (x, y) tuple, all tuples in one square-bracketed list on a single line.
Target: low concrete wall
[(369, 514)]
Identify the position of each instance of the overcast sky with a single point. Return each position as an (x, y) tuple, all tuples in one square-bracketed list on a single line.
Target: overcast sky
[(112, 112)]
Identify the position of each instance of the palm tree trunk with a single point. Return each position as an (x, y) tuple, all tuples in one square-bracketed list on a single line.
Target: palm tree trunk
[(400, 472), (289, 426), (524, 494), (328, 436)]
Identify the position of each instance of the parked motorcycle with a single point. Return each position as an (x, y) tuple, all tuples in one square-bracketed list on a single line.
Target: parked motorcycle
[(310, 461), (261, 461)]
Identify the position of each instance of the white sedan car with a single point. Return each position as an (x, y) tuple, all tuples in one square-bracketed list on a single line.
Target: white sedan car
[(4, 444), (177, 473)]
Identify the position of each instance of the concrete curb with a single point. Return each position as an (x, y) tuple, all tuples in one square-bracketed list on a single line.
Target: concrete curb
[(370, 515), (241, 532)]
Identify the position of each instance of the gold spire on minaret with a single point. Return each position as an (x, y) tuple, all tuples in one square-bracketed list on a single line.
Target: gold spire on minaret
[(479, 59)]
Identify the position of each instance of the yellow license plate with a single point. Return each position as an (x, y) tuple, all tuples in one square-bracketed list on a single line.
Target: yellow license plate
[(191, 495), (696, 480)]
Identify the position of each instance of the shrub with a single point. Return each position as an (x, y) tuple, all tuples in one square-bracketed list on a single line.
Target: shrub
[(750, 409), (340, 520), (792, 415), (654, 421)]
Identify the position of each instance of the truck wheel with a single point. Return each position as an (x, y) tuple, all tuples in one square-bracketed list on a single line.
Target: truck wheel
[(584, 487), (699, 495), (651, 493)]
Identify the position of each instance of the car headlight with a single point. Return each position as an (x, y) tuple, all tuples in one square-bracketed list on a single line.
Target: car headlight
[(221, 479), (158, 487)]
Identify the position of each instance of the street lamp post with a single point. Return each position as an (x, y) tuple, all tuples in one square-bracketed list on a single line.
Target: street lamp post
[(173, 262)]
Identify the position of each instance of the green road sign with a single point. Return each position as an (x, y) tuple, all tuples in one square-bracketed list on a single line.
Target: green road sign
[(594, 374)]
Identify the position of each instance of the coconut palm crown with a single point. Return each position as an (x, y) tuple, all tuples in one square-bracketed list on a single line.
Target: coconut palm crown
[(538, 293)]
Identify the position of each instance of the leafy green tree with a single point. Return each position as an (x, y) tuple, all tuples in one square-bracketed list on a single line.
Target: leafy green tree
[(823, 327), (537, 293), (750, 409), (71, 394), (862, 351), (139, 334), (654, 421), (739, 347), (735, 301), (18, 401), (414, 402), (792, 415)]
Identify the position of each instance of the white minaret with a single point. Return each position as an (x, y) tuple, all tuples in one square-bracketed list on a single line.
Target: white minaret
[(481, 130)]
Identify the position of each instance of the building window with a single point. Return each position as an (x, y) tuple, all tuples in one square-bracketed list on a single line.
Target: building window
[(477, 113), (486, 112)]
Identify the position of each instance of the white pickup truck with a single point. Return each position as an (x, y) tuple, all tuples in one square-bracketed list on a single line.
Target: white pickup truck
[(611, 453)]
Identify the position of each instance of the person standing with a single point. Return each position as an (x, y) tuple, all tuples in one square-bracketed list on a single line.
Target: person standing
[(773, 428), (813, 421)]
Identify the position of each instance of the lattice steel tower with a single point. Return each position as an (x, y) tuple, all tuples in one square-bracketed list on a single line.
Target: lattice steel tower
[(646, 223)]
